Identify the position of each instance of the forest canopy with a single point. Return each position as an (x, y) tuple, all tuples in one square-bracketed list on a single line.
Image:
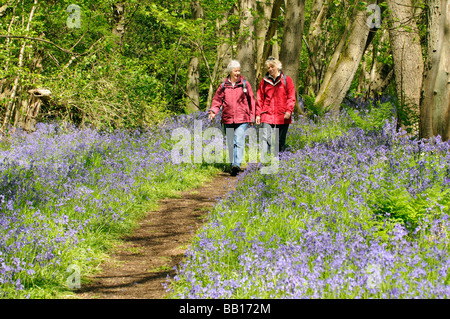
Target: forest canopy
[(132, 63)]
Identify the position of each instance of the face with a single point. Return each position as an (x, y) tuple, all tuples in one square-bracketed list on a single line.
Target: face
[(235, 73), (273, 70)]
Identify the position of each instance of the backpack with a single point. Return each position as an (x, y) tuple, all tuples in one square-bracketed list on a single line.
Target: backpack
[(244, 88)]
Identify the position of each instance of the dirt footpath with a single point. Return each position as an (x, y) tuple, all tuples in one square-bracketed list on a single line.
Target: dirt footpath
[(139, 267)]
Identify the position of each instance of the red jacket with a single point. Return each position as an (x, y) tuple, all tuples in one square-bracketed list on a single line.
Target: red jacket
[(274, 99), (235, 103)]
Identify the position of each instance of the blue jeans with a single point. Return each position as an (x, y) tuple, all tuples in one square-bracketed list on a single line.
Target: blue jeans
[(236, 142)]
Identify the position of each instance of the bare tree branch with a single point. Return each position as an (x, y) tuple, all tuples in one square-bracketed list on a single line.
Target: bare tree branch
[(45, 41)]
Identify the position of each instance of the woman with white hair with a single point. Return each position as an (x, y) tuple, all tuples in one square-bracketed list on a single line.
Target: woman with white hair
[(274, 106), (235, 97)]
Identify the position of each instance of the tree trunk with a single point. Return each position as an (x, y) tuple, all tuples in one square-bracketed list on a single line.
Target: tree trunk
[(224, 54), (337, 52), (264, 9), (275, 47), (407, 58), (435, 106), (192, 88), (246, 43), (267, 36), (8, 40), (291, 43), (363, 75), (380, 73), (316, 48), (344, 64), (118, 19), (375, 77), (10, 106)]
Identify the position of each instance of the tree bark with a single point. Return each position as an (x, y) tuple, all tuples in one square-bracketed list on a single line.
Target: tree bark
[(380, 73), (435, 106), (291, 43), (337, 52), (192, 88), (8, 40), (267, 36), (407, 58), (316, 47), (374, 78), (246, 42), (224, 54), (275, 47), (264, 9), (118, 19), (344, 64), (363, 75), (10, 106)]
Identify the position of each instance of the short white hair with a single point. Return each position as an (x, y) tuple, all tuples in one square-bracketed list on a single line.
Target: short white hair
[(233, 65)]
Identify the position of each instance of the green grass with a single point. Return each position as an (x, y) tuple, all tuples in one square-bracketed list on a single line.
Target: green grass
[(99, 240), (102, 240)]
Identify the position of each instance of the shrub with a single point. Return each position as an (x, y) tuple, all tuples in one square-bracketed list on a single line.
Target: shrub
[(373, 117)]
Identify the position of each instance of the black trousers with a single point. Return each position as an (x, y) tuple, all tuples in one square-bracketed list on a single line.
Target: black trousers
[(278, 129)]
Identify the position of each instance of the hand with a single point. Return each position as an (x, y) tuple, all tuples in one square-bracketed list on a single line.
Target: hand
[(258, 120), (287, 115), (211, 115)]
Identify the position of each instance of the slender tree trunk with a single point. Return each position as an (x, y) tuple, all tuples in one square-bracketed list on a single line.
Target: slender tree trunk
[(264, 9), (380, 73), (3, 82), (374, 77), (344, 64), (224, 54), (10, 106), (317, 48), (337, 52), (291, 44), (246, 43), (435, 106), (275, 48), (8, 40), (192, 89), (407, 57), (363, 75), (267, 37), (118, 19)]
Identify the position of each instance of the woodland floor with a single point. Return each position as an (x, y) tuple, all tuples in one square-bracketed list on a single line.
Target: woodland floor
[(138, 268)]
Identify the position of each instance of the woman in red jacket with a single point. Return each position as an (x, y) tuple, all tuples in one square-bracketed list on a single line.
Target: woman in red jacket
[(274, 106), (235, 97)]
